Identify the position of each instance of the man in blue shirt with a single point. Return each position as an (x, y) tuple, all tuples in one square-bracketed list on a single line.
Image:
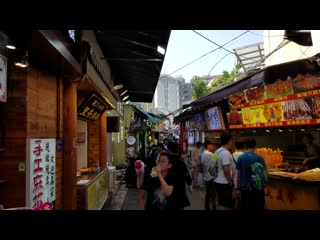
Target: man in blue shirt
[(251, 198)]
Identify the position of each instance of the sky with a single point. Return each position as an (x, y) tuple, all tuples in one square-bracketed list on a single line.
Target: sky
[(185, 46)]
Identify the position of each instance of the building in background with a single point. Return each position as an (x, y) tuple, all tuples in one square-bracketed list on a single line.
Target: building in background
[(187, 93), (169, 92)]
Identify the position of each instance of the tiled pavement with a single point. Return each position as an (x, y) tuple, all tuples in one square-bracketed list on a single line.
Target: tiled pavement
[(196, 199), (127, 199)]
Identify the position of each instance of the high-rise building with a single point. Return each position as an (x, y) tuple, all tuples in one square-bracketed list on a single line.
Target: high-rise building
[(169, 92), (187, 93)]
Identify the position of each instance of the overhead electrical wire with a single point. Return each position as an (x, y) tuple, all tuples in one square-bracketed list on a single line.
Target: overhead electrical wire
[(281, 45), (219, 45), (218, 63), (213, 42), (205, 55)]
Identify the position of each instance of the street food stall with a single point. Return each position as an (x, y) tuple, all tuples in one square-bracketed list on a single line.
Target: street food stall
[(277, 106), (277, 112)]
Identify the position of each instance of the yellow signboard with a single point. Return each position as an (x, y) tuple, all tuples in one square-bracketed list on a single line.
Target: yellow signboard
[(97, 192), (263, 113)]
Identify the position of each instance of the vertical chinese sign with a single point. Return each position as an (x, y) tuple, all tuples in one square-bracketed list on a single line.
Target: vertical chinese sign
[(41, 173), (3, 78), (214, 119)]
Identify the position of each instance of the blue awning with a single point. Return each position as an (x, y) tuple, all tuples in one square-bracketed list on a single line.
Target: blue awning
[(150, 118)]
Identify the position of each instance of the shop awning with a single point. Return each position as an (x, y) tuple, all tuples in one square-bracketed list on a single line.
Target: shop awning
[(134, 60), (267, 75), (149, 117)]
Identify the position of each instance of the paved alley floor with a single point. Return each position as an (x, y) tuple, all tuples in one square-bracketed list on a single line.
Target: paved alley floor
[(196, 199)]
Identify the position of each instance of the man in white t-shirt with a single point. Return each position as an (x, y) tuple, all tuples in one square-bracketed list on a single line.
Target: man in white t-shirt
[(207, 163), (224, 182)]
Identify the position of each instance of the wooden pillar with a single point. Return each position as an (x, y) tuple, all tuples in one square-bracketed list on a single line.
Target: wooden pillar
[(103, 140), (69, 147)]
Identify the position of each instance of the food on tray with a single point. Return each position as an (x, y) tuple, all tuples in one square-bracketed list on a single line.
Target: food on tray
[(279, 88), (296, 109), (316, 106), (255, 94), (306, 82), (284, 174), (234, 118), (237, 99), (310, 175)]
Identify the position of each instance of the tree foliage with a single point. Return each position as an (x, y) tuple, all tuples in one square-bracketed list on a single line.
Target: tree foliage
[(225, 79), (199, 87)]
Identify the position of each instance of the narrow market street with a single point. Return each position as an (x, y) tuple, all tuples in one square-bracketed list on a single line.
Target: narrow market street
[(127, 199)]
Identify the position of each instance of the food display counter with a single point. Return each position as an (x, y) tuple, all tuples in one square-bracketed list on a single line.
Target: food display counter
[(92, 190), (293, 191)]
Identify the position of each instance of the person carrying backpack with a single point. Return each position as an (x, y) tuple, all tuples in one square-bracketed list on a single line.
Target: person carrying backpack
[(208, 175), (252, 178)]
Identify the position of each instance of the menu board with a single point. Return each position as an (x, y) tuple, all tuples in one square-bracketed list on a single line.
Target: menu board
[(214, 119), (298, 87), (263, 113), (303, 111)]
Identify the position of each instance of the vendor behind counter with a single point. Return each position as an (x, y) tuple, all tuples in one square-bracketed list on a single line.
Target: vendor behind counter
[(312, 153)]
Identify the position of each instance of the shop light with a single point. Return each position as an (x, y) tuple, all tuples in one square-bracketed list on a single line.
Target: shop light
[(127, 102), (290, 130), (254, 131), (161, 50), (302, 129), (124, 92), (280, 130), (117, 87), (125, 98), (23, 61), (318, 129), (12, 47), (267, 130)]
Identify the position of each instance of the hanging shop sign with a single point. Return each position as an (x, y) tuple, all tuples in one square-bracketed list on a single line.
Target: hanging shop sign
[(41, 173), (300, 111), (294, 101), (3, 78), (299, 87), (92, 108), (214, 119)]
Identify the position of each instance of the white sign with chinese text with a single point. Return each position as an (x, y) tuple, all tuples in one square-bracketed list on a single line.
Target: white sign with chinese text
[(190, 137), (214, 119), (3, 78), (41, 172)]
